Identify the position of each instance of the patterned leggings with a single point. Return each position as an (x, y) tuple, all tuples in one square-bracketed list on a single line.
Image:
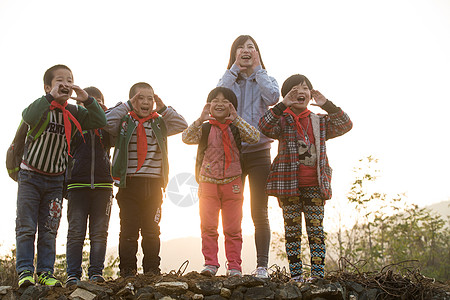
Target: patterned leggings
[(313, 209)]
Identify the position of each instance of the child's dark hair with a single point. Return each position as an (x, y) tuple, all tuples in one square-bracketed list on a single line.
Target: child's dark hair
[(227, 93), (94, 92), (143, 85), (49, 74), (239, 42), (292, 81)]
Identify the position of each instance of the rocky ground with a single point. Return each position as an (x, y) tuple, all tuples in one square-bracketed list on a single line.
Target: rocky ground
[(386, 285)]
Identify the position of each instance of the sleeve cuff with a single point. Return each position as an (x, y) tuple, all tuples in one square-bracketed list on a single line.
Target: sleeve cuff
[(279, 108), (49, 98), (89, 100), (162, 110), (329, 107), (128, 105), (235, 69)]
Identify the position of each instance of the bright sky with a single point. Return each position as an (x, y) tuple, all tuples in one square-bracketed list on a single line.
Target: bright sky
[(386, 63)]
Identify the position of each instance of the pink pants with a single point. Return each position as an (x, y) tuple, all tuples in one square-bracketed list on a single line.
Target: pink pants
[(228, 198)]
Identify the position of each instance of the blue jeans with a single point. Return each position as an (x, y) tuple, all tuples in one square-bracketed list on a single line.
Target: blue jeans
[(39, 206), (95, 205)]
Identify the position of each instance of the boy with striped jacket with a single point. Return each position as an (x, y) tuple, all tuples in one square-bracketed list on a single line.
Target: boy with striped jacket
[(41, 175), (140, 169)]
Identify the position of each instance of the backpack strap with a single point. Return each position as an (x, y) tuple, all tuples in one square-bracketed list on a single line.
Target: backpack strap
[(36, 131)]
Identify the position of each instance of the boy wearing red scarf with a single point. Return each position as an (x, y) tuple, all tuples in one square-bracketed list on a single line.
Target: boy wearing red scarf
[(41, 175), (300, 175), (140, 169), (218, 172)]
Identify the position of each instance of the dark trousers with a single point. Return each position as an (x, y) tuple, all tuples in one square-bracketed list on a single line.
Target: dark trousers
[(140, 211), (256, 166), (93, 205)]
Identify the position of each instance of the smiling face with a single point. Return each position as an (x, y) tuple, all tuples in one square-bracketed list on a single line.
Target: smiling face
[(64, 79), (220, 108), (303, 97), (145, 100), (245, 53)]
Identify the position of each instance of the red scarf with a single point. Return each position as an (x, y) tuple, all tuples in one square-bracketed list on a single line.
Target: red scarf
[(142, 137), (303, 114), (67, 117), (225, 139)]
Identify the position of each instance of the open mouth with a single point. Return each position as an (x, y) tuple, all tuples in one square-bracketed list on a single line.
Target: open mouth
[(301, 99), (246, 56), (64, 90)]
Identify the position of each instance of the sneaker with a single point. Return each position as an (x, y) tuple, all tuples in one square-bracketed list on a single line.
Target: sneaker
[(234, 273), (209, 270), (47, 278), (97, 278), (26, 278), (71, 281), (261, 272)]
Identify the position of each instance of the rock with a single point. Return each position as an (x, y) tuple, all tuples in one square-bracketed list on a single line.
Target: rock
[(288, 292), (34, 292), (208, 287), (144, 292), (145, 296), (259, 292), (197, 297), (369, 294), (126, 291), (94, 288), (215, 297), (82, 294), (226, 293), (173, 287), (353, 286), (4, 289), (238, 293), (246, 280), (323, 289)]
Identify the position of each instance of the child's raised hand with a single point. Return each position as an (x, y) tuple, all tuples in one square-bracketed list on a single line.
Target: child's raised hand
[(159, 104), (290, 97), (82, 95), (205, 115), (134, 100), (318, 98), (233, 114), (60, 92)]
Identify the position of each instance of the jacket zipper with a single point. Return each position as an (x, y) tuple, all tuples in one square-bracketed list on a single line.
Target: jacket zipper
[(92, 159)]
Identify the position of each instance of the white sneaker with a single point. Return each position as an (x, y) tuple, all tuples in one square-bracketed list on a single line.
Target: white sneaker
[(234, 273), (261, 272)]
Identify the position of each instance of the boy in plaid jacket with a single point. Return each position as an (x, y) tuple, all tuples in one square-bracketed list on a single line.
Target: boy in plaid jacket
[(300, 175)]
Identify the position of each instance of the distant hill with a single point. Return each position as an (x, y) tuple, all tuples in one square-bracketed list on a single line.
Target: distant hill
[(442, 208)]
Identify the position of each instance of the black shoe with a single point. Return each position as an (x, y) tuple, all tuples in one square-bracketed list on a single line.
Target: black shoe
[(127, 273), (97, 278)]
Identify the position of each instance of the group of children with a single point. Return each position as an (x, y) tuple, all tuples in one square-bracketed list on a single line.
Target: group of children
[(233, 133)]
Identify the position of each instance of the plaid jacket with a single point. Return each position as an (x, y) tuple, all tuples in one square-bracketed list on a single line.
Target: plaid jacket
[(283, 178)]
